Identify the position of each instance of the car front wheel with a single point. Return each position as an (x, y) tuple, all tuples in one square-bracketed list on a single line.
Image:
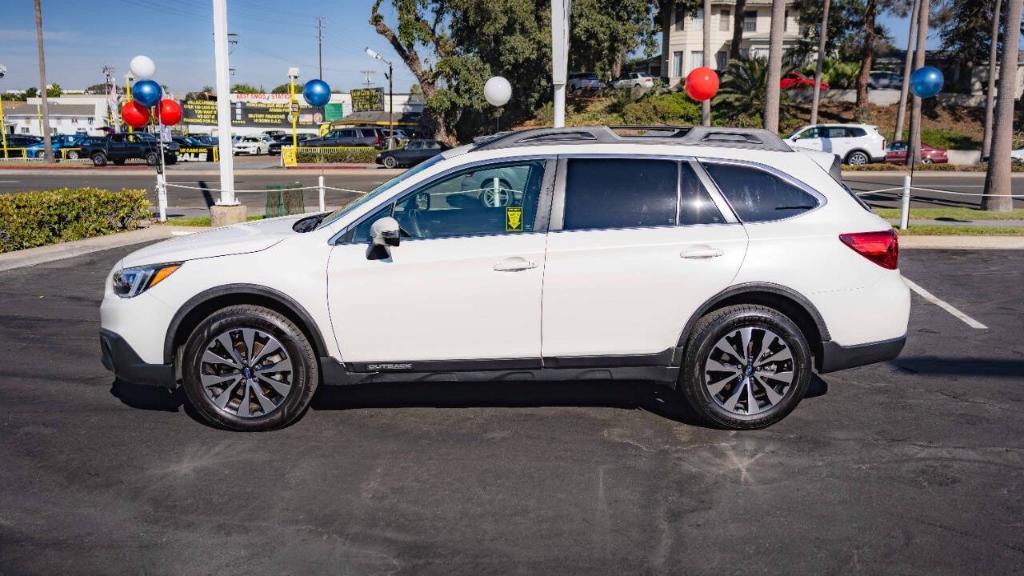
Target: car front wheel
[(390, 162), (745, 367), (99, 159), (249, 368)]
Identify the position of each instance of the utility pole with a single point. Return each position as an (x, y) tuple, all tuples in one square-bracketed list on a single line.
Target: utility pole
[(227, 210), (705, 106), (560, 10), (47, 143), (320, 43), (908, 65), (822, 42)]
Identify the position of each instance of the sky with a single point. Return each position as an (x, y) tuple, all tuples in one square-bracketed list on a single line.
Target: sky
[(83, 36)]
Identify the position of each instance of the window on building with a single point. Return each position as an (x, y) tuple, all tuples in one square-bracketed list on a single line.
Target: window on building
[(680, 18), (677, 64), (725, 20), (721, 59), (757, 195), (750, 21), (759, 52), (696, 59), (698, 20), (620, 193)]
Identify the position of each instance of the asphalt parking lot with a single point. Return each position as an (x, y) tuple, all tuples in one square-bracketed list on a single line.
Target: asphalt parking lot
[(910, 467)]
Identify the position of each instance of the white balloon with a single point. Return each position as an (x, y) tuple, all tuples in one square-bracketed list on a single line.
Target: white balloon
[(143, 67), (497, 91)]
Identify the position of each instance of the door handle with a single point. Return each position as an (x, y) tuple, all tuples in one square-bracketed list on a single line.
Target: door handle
[(700, 253), (514, 264)]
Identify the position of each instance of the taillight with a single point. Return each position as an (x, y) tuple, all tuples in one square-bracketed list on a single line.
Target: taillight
[(882, 248), (378, 138)]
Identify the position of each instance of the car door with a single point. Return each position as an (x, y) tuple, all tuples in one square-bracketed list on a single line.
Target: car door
[(808, 139), (464, 285), (835, 139), (636, 246)]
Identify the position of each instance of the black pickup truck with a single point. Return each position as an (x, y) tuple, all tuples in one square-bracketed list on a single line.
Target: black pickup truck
[(118, 148)]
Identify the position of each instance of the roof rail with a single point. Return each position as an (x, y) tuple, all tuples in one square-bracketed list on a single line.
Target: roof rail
[(749, 138)]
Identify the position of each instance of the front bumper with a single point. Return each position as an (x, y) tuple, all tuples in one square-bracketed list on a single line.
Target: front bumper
[(122, 360), (835, 357)]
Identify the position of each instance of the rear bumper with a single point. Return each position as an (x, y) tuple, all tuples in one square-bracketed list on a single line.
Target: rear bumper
[(835, 357), (122, 360)]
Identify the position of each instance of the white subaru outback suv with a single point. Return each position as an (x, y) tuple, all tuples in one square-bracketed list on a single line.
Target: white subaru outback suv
[(717, 261)]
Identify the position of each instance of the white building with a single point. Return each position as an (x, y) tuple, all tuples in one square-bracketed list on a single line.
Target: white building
[(683, 40), (68, 115)]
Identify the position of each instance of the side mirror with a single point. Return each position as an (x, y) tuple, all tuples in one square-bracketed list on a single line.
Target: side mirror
[(385, 232)]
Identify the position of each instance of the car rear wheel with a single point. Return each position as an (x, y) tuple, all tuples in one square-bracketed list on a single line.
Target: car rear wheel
[(249, 368), (99, 159), (390, 162), (857, 158), (745, 367)]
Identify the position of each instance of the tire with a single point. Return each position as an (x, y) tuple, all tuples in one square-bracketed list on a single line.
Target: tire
[(99, 159), (858, 158), (152, 158), (926, 160), (284, 399), (723, 400), (73, 155), (390, 162), (41, 154)]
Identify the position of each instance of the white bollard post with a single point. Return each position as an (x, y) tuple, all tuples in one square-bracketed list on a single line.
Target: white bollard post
[(320, 188), (161, 196), (905, 207)]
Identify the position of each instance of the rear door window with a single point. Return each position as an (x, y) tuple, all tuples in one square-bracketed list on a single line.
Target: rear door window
[(757, 195), (619, 193)]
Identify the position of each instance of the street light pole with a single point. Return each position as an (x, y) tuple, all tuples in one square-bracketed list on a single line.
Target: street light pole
[(220, 45), (293, 74), (3, 123), (391, 95)]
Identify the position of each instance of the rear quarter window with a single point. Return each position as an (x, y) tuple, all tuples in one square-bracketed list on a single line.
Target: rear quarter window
[(757, 195)]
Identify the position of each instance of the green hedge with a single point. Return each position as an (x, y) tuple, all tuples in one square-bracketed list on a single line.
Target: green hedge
[(341, 155), (30, 219)]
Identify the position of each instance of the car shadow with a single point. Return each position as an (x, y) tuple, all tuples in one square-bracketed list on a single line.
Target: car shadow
[(657, 399), (931, 365)]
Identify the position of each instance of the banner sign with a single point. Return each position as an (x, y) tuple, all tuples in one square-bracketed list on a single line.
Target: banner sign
[(367, 99), (251, 114)]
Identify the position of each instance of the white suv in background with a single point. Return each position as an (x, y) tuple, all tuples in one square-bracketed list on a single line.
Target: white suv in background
[(853, 143), (716, 261)]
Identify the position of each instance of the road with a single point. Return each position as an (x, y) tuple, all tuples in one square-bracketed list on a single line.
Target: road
[(962, 183), (910, 467)]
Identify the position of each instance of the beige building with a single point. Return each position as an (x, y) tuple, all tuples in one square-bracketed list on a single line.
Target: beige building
[(683, 40)]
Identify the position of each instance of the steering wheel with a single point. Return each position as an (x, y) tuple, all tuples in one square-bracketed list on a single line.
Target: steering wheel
[(499, 198)]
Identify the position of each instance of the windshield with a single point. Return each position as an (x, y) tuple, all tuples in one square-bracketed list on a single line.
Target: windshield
[(340, 212)]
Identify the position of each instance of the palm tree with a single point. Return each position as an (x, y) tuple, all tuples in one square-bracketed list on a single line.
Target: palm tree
[(993, 53), (47, 145), (745, 89), (822, 41), (914, 151), (771, 101), (705, 117), (908, 61), (866, 59), (997, 180)]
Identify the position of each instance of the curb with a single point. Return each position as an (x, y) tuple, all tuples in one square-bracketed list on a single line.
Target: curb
[(962, 242), (55, 252), (924, 173)]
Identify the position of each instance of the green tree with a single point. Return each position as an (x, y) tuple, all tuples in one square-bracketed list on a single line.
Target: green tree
[(284, 88), (966, 35), (243, 88), (741, 97), (54, 90), (97, 89)]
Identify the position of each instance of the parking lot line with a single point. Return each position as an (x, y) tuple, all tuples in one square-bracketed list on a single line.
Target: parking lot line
[(945, 305)]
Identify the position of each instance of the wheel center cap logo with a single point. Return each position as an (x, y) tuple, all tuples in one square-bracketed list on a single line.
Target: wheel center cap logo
[(247, 373)]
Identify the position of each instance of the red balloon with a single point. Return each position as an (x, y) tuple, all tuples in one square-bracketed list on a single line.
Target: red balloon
[(702, 83), (169, 112), (134, 114)]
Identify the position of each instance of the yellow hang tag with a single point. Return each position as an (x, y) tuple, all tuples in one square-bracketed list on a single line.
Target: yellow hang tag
[(513, 218)]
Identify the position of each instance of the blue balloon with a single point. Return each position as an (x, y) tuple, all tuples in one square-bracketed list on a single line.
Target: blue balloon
[(926, 82), (316, 92), (147, 92)]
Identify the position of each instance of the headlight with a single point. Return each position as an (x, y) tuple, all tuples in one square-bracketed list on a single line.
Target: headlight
[(130, 282)]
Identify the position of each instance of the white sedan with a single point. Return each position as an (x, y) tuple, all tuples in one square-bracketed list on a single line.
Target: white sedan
[(253, 145)]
